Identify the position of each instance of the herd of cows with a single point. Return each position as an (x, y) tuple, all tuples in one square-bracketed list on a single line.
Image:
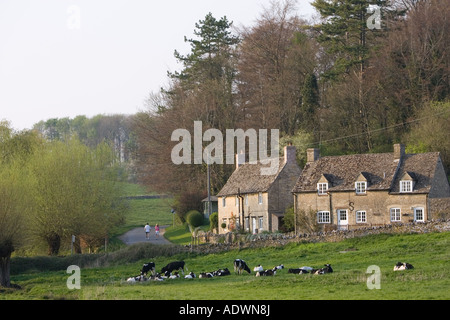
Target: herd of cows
[(172, 271)]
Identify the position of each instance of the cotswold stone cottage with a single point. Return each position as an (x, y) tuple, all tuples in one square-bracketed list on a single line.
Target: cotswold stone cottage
[(348, 192), (254, 201)]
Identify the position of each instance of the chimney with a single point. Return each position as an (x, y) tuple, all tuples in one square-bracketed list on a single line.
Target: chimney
[(399, 151), (312, 155), (240, 159), (290, 153)]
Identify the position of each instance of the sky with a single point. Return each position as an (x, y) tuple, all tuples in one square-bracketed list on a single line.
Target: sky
[(64, 58)]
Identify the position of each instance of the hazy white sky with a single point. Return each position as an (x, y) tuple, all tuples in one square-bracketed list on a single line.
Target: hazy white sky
[(63, 58)]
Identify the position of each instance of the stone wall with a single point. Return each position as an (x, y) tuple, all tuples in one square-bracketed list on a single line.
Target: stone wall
[(213, 242)]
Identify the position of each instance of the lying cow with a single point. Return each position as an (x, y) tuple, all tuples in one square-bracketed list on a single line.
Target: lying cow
[(327, 269), (266, 273), (150, 266), (174, 266), (139, 278), (240, 265), (299, 271), (402, 266)]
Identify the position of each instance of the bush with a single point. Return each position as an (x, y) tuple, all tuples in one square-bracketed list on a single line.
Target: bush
[(194, 218), (214, 222)]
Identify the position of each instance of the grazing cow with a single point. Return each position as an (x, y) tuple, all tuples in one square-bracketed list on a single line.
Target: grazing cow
[(150, 266), (240, 265), (402, 266), (177, 265), (327, 269)]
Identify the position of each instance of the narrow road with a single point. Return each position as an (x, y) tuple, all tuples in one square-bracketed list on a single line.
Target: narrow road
[(138, 235)]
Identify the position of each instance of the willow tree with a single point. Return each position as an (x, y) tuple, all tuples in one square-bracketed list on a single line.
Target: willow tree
[(15, 150), (74, 192)]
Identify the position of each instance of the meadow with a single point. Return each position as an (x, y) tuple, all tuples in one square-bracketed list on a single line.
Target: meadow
[(103, 276)]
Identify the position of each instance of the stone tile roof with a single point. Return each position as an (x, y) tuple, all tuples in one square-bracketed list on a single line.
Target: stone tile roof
[(381, 170), (249, 179)]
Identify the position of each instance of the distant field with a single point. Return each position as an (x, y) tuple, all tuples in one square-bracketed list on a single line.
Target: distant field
[(428, 253)]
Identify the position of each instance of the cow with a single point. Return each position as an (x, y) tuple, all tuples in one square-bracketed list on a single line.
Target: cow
[(191, 275), (258, 268), (240, 265), (270, 272), (206, 275), (327, 269), (150, 266), (177, 265), (139, 278), (402, 266), (302, 270)]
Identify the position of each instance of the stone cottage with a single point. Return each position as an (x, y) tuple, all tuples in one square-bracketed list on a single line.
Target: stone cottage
[(347, 192), (255, 202)]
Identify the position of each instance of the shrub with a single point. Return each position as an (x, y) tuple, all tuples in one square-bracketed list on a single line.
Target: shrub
[(194, 218), (214, 222)]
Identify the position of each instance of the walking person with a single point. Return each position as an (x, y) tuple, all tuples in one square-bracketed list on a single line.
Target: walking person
[(147, 229), (157, 231)]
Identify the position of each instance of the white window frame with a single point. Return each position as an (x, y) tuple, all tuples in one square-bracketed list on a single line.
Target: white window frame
[(260, 223), (361, 216), (322, 188), (396, 214), (323, 217), (422, 213), (361, 187), (406, 186), (260, 198), (224, 202)]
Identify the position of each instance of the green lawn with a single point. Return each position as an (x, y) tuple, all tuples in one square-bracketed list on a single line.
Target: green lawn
[(429, 280)]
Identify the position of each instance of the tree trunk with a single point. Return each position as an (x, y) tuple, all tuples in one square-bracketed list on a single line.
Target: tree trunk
[(5, 271), (54, 243)]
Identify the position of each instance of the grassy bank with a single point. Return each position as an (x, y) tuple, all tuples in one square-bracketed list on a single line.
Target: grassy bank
[(428, 253)]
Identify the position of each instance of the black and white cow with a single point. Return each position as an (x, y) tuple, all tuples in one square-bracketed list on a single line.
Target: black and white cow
[(240, 265), (327, 269), (177, 265), (150, 266), (402, 266), (302, 270)]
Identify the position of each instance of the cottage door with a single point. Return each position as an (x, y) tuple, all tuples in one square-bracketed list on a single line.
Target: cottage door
[(342, 216)]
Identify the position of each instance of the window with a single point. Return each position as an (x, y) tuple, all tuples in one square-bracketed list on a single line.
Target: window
[(406, 186), (395, 214), (418, 215), (323, 217), (237, 201), (247, 223), (260, 198), (224, 202), (361, 217), (322, 188), (260, 223), (246, 199), (361, 187)]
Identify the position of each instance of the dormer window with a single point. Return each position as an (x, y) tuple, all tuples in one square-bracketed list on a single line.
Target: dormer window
[(360, 187), (322, 188), (406, 186)]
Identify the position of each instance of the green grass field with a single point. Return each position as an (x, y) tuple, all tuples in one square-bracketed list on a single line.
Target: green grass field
[(104, 277)]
